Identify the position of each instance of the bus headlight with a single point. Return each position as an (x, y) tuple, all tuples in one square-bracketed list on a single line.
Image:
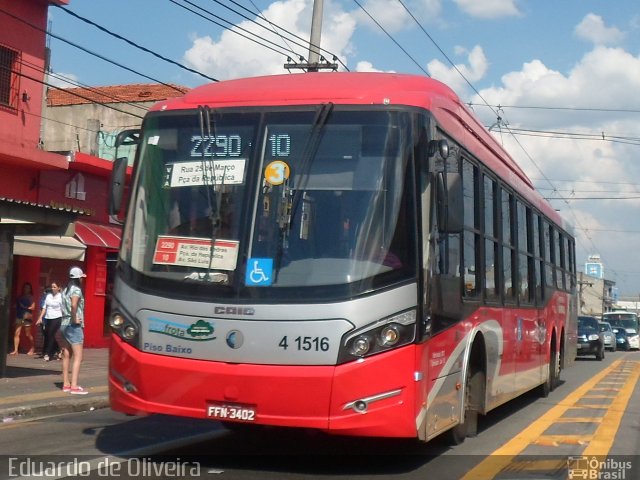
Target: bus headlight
[(129, 332), (123, 325), (378, 337), (116, 321), (389, 336), (360, 346)]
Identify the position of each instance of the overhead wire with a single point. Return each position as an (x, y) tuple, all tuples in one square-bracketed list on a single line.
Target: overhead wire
[(533, 162), (271, 24), (97, 55), (573, 109), (75, 94), (133, 44), (76, 84), (278, 28), (248, 36), (375, 21), (600, 137), (392, 39)]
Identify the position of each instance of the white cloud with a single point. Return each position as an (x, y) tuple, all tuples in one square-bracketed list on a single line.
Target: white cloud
[(593, 29), (390, 15), (489, 8), (476, 70), (393, 17), (364, 66), (63, 80), (233, 56)]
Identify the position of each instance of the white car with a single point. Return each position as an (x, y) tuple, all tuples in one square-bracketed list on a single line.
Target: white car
[(609, 336), (627, 320), (634, 339)]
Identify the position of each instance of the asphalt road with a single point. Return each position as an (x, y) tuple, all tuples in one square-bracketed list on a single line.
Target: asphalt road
[(593, 416)]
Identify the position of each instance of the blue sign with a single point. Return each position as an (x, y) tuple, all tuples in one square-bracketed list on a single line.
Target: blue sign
[(593, 270), (259, 272)]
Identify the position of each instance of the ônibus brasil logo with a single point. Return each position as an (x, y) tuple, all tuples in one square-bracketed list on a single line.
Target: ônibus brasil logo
[(200, 331)]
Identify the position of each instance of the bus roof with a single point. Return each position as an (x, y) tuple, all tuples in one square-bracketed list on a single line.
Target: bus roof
[(369, 88)]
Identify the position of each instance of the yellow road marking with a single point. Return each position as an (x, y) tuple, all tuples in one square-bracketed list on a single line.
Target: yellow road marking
[(579, 420), (54, 395), (600, 442), (606, 432), (556, 440), (537, 466)]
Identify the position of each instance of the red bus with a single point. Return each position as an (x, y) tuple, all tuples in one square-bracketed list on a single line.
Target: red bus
[(349, 252)]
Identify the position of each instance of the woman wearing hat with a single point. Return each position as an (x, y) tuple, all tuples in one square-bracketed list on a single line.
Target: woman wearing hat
[(72, 331)]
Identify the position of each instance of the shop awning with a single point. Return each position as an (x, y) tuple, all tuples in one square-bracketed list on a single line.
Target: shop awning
[(98, 235), (68, 248), (48, 246)]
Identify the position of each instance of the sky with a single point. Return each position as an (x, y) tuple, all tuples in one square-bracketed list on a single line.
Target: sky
[(557, 81)]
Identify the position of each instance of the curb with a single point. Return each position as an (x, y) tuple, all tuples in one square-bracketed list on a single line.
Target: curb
[(51, 408)]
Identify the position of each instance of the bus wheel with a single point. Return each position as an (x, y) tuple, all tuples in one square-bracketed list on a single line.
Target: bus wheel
[(554, 373), (473, 402)]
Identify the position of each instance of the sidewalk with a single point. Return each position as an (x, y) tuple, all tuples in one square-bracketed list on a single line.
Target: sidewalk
[(33, 387)]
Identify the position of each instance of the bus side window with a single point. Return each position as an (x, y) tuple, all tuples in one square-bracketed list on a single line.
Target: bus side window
[(471, 234)]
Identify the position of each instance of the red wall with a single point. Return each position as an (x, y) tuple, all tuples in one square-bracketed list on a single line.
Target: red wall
[(51, 191), (22, 127), (40, 272)]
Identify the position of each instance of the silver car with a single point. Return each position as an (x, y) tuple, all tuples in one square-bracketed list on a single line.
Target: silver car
[(609, 336)]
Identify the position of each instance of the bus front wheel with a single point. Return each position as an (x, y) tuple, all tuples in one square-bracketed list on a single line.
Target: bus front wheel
[(472, 403)]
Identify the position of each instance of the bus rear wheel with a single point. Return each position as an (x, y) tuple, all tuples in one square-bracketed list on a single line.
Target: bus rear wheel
[(554, 373)]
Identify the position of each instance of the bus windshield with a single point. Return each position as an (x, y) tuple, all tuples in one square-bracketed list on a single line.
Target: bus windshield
[(626, 320), (275, 200)]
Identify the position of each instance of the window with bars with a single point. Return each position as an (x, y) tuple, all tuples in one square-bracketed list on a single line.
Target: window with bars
[(9, 79)]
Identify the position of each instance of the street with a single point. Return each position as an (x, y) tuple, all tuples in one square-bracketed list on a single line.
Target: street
[(163, 447)]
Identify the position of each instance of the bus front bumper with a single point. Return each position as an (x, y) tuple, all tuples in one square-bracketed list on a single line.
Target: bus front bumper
[(369, 397)]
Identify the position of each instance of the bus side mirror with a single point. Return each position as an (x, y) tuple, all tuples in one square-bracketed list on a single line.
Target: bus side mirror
[(438, 146), (450, 202), (118, 180), (127, 137), (119, 171)]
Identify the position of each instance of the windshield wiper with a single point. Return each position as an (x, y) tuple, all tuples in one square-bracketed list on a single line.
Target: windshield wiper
[(204, 113), (291, 197)]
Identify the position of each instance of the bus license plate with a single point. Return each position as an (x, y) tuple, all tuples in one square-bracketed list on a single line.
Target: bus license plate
[(234, 413)]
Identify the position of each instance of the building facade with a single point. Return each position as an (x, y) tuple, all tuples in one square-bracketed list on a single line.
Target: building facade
[(56, 150), (22, 65), (81, 124)]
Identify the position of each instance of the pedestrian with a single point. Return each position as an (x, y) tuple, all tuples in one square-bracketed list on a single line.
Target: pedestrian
[(24, 317), (51, 318), (72, 328), (42, 323)]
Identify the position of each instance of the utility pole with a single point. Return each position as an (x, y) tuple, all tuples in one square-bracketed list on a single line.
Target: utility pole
[(581, 284), (316, 61), (316, 33)]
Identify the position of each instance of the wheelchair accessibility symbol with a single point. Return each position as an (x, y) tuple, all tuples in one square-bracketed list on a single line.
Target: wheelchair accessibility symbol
[(259, 272)]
